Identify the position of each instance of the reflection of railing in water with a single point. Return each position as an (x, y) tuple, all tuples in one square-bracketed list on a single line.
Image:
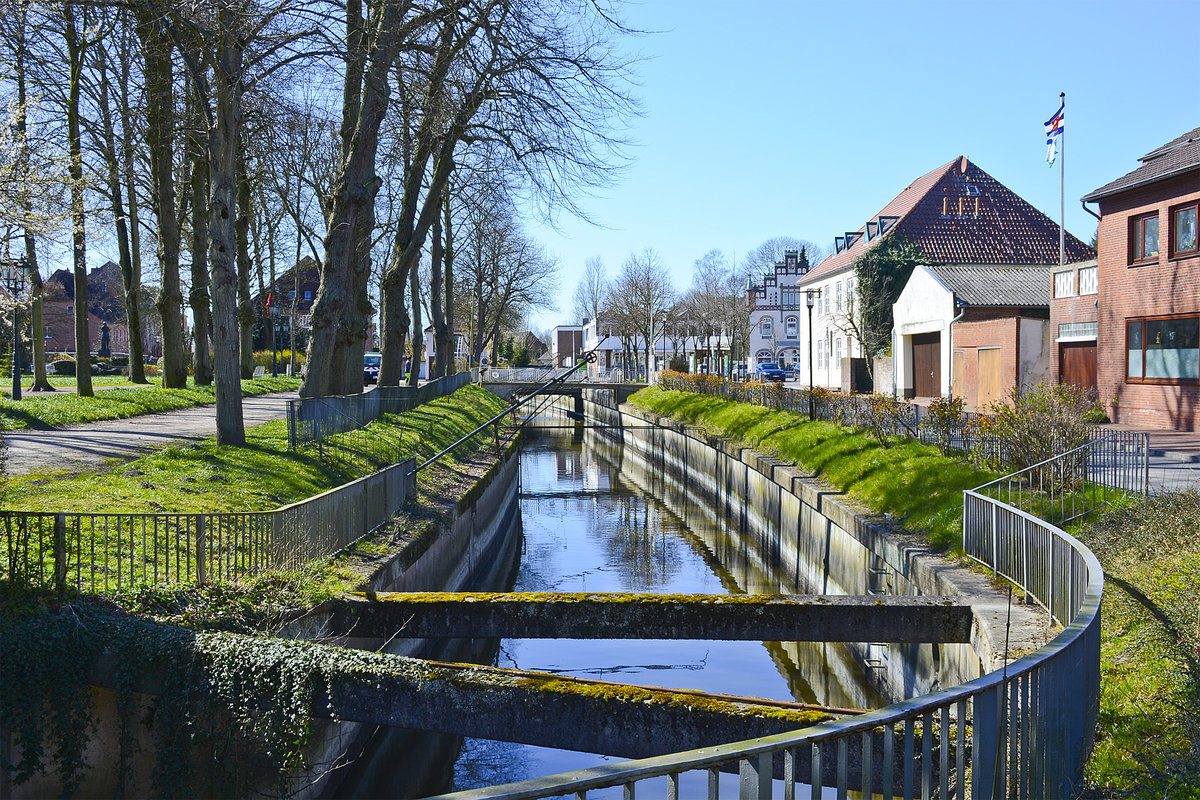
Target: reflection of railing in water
[(1029, 724)]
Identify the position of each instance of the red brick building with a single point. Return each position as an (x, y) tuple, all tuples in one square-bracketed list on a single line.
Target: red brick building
[(1148, 339), (1074, 312)]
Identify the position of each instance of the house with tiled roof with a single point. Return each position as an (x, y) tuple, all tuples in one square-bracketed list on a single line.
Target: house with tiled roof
[(956, 214), (993, 320), (1148, 293)]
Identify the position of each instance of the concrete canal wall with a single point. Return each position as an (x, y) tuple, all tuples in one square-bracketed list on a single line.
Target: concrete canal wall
[(788, 533)]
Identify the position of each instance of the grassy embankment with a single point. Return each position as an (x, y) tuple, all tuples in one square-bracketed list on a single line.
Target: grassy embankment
[(1148, 741), (1148, 738), (64, 407), (918, 485), (203, 477)]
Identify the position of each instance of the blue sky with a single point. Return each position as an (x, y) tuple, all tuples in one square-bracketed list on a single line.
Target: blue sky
[(794, 118)]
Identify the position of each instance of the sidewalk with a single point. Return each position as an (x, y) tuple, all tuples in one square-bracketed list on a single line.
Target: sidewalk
[(1174, 458), (81, 447)]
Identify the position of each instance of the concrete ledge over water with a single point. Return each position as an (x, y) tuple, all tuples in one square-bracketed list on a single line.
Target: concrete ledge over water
[(794, 618)]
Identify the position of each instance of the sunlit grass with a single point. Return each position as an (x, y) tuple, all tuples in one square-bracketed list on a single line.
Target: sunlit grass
[(66, 408), (912, 481)]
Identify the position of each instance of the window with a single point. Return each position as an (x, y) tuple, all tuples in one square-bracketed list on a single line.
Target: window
[(1163, 350), (791, 298), (1077, 330), (837, 355), (1064, 283), (820, 351), (292, 294), (792, 325), (766, 326), (1183, 230), (307, 294), (1089, 280), (1144, 234), (838, 296)]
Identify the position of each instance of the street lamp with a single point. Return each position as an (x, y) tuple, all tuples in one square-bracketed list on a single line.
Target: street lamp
[(12, 275), (810, 299), (275, 314)]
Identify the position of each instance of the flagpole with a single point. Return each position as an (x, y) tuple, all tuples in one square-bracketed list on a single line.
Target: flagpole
[(1062, 203)]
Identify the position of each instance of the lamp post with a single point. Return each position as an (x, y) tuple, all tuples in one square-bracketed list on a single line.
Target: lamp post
[(810, 299), (12, 274), (275, 314)]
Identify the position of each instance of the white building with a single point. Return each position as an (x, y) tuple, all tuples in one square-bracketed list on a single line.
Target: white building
[(777, 313), (674, 341)]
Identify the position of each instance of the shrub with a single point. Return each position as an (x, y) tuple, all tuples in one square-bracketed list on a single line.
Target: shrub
[(1040, 423), (262, 358), (944, 419)]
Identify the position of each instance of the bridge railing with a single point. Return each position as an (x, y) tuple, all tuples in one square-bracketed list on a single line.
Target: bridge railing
[(111, 552), (311, 419), (1024, 730)]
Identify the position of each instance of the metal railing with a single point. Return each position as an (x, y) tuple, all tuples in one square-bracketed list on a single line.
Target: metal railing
[(311, 419), (542, 374), (109, 552), (1024, 730)]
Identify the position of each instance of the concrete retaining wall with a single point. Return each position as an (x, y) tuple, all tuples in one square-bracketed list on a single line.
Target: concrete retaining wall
[(791, 534)]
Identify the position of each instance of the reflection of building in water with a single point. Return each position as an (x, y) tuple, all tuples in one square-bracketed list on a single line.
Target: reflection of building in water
[(567, 465), (596, 477)]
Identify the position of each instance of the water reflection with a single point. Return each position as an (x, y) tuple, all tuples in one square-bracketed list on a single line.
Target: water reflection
[(590, 527)]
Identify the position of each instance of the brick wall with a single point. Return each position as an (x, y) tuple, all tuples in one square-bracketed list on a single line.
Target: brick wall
[(1166, 286), (985, 329), (1072, 308)]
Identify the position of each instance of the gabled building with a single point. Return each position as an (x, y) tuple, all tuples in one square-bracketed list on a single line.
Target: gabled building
[(956, 214), (106, 306), (1148, 298), (296, 289), (991, 319), (1074, 315), (776, 309)]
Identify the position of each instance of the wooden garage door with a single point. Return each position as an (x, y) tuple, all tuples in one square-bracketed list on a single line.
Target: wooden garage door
[(991, 379), (927, 364), (1077, 364)]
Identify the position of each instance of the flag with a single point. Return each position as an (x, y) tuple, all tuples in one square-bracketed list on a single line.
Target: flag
[(1054, 130)]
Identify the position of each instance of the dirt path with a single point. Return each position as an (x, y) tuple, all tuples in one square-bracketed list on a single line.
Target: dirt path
[(80, 447)]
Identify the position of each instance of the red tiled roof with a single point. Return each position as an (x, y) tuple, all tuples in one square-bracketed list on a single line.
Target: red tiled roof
[(1181, 154), (1006, 229)]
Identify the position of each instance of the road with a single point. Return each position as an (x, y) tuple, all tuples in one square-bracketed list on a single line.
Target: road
[(80, 447)]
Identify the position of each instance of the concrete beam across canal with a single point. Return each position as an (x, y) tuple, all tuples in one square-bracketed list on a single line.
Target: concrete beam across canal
[(543, 615)]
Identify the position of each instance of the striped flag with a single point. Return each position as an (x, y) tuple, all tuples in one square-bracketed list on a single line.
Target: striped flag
[(1054, 130)]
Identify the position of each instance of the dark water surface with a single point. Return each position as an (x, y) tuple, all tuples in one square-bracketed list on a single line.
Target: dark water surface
[(588, 527)]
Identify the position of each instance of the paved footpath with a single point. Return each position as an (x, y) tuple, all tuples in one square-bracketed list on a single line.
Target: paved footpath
[(80, 447)]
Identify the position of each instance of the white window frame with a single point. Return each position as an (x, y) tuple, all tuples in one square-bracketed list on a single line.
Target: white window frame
[(1064, 284), (791, 327), (1089, 280)]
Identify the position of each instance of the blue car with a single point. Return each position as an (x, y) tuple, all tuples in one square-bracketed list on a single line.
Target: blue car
[(770, 371)]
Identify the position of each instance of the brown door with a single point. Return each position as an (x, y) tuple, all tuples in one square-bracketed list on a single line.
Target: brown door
[(991, 380), (927, 364), (1077, 364)]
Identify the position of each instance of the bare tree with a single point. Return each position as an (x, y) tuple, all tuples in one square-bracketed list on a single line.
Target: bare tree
[(591, 290), (641, 300), (763, 258)]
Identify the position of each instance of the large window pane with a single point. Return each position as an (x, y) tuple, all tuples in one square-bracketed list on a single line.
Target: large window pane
[(1149, 237), (1173, 348), (1135, 349), (1184, 225)]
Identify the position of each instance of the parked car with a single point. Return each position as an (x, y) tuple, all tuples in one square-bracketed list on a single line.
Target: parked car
[(770, 371), (371, 367), (797, 370)]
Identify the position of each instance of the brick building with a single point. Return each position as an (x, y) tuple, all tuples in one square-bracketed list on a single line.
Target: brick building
[(1074, 311), (993, 322), (1148, 321)]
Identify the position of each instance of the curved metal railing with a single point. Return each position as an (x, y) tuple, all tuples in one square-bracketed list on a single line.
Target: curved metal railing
[(1024, 730)]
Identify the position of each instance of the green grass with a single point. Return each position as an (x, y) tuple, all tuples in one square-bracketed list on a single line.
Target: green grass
[(1148, 739), (43, 411), (914, 482), (262, 475)]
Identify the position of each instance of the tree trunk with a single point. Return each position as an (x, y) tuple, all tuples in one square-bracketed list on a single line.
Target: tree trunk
[(83, 341), (223, 154), (129, 282), (198, 297), (245, 310), (393, 323), (445, 345), (160, 133), (418, 333), (133, 286), (436, 310), (41, 383), (333, 348)]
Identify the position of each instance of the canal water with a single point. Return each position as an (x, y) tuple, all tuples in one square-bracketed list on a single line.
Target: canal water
[(591, 526)]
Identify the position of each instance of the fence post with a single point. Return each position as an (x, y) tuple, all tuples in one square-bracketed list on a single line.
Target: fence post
[(60, 552), (201, 566)]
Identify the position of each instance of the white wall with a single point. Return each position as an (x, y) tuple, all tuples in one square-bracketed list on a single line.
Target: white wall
[(925, 305)]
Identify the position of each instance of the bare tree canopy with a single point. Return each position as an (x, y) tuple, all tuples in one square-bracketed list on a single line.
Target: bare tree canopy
[(591, 290), (763, 258)]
